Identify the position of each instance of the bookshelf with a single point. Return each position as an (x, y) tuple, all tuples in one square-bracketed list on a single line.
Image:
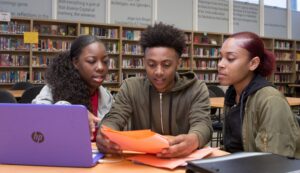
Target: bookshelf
[(54, 37), (284, 66), (28, 62), (186, 57), (297, 57), (132, 53), (206, 54), (14, 54)]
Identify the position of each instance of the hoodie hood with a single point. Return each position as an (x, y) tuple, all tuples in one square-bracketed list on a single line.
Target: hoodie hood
[(257, 83)]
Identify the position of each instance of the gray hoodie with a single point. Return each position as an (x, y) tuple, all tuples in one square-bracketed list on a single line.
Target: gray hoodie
[(105, 101)]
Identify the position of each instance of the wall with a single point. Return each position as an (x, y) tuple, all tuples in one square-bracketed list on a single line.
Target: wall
[(224, 16)]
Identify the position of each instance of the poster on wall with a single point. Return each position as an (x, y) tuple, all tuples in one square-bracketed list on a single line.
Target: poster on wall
[(27, 8), (131, 12), (82, 10), (213, 15), (275, 22), (296, 25), (245, 17), (179, 14)]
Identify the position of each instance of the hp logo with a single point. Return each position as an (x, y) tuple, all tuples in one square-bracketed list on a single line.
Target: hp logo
[(37, 137)]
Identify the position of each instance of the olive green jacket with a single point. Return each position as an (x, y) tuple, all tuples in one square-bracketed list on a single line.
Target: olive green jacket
[(269, 125), (182, 110)]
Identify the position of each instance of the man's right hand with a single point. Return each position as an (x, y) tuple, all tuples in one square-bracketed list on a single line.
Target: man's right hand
[(105, 145)]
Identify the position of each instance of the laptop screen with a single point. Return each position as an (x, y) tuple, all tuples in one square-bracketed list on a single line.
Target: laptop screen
[(52, 135)]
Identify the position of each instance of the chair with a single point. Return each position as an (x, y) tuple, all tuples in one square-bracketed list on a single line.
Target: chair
[(30, 93), (217, 90), (21, 86), (298, 119), (217, 124), (6, 97)]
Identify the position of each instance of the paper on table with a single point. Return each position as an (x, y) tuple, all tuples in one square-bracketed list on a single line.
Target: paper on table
[(152, 160), (137, 140)]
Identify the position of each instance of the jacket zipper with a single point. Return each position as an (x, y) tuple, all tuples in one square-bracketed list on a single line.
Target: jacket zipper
[(161, 117)]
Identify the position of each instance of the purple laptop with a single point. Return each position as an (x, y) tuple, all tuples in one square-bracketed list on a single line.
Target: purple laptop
[(50, 135)]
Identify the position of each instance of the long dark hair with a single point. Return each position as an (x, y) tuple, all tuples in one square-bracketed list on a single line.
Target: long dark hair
[(64, 79), (255, 46)]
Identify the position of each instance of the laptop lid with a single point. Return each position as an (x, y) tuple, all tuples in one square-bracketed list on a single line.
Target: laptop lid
[(51, 135), (246, 162)]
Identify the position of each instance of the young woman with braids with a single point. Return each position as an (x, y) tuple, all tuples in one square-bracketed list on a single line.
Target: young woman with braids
[(76, 76)]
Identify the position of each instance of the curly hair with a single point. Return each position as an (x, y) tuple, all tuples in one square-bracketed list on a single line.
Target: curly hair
[(162, 35), (64, 79)]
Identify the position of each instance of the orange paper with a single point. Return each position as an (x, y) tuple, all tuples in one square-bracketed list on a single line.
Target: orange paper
[(137, 140), (152, 160), (31, 37)]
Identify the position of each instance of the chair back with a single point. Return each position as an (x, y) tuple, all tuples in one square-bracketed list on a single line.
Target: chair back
[(6, 97), (217, 90), (30, 93), (22, 86)]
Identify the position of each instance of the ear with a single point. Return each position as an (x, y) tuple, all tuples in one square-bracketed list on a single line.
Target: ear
[(75, 63), (179, 61), (254, 63)]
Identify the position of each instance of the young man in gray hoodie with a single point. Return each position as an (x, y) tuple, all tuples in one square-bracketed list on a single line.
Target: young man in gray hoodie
[(169, 103)]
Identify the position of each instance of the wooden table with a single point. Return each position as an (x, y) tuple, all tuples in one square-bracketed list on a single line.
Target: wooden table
[(218, 102), (123, 166), (16, 93)]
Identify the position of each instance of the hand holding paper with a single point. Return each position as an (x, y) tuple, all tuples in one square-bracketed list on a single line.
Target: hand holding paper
[(137, 140), (180, 146)]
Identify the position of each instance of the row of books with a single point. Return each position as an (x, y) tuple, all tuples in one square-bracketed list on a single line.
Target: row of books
[(186, 51), (14, 27), (11, 43), (204, 39), (41, 60), (113, 63), (52, 45), (48, 29), (133, 63), (185, 64), (112, 47), (282, 78), (101, 32), (297, 67), (126, 75), (112, 77), (283, 45), (131, 35), (132, 49), (14, 60), (209, 77), (298, 56), (283, 89), (283, 56), (14, 76), (284, 68), (188, 37), (206, 52), (38, 77), (205, 65)]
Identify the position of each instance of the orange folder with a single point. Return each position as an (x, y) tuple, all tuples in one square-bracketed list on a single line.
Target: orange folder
[(145, 141), (172, 163)]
